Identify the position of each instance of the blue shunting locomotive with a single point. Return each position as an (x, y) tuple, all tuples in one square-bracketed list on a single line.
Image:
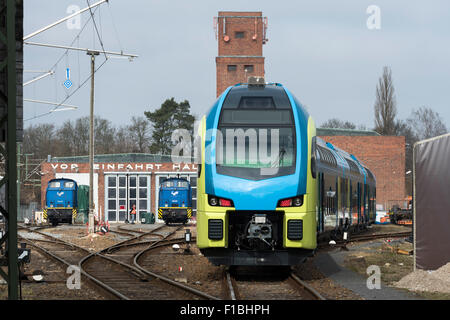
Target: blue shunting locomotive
[(175, 200), (61, 201)]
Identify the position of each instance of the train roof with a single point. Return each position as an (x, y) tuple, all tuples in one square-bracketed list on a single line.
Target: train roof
[(274, 91), (333, 159), (174, 179), (59, 179)]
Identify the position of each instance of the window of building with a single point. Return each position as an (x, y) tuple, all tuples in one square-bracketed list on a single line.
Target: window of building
[(232, 67), (248, 68), (239, 34)]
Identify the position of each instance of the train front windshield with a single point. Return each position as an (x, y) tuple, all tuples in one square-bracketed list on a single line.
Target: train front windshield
[(256, 137)]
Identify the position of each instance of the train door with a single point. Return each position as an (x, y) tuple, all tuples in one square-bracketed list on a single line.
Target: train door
[(354, 202), (321, 206)]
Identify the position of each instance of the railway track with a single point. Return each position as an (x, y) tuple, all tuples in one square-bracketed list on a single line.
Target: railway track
[(369, 237), (138, 283), (139, 261), (267, 285), (110, 272)]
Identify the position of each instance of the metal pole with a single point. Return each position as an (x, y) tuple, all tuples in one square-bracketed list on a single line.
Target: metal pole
[(13, 268), (91, 145), (18, 179)]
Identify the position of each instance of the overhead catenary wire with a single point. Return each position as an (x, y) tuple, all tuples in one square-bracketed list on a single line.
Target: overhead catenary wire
[(96, 29), (53, 67), (65, 99), (114, 27), (71, 48)]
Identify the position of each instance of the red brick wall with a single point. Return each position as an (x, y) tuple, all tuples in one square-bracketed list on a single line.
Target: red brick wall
[(49, 171), (227, 78), (385, 157), (246, 46)]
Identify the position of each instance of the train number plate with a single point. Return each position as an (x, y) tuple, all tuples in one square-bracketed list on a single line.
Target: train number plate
[(260, 219)]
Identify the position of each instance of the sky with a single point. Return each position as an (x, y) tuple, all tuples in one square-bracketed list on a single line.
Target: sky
[(322, 51)]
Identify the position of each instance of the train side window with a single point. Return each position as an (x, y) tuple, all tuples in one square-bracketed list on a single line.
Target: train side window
[(329, 201), (344, 198), (354, 201), (313, 157)]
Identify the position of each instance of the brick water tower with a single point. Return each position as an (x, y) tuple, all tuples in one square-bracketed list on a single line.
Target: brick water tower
[(240, 36)]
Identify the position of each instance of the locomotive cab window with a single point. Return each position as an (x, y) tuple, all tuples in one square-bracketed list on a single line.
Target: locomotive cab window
[(258, 135), (55, 184), (168, 184), (68, 184), (182, 184)]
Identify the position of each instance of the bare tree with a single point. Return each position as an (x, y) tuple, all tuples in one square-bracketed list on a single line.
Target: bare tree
[(123, 142), (68, 139), (139, 130), (426, 123), (385, 104), (336, 123), (39, 140), (104, 134)]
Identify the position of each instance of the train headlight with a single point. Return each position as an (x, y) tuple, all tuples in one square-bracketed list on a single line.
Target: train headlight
[(297, 202), (213, 201)]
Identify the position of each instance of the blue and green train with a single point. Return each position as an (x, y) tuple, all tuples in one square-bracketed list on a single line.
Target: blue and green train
[(268, 187)]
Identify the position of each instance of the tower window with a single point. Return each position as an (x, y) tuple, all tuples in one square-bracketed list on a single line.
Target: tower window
[(249, 68), (232, 67), (239, 34)]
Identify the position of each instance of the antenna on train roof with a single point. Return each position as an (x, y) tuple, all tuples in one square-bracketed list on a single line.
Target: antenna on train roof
[(256, 81)]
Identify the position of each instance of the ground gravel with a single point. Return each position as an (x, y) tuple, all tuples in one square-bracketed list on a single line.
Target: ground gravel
[(430, 281)]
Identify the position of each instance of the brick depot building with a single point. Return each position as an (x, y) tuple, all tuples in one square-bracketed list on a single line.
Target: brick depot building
[(121, 181), (383, 155)]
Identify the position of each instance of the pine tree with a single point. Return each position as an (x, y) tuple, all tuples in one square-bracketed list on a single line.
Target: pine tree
[(170, 116)]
